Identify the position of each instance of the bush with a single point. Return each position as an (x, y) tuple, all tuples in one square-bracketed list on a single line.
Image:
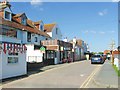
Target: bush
[(116, 70)]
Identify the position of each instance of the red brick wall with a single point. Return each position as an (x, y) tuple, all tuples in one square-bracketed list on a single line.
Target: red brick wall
[(2, 13)]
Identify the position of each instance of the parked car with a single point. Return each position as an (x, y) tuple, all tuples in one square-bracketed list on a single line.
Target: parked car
[(97, 59)]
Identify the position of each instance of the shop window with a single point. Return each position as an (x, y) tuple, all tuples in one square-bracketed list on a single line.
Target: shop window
[(50, 55), (13, 58)]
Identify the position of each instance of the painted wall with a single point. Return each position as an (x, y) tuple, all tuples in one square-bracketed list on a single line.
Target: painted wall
[(33, 55), (77, 53), (54, 35), (58, 35), (9, 39), (12, 69)]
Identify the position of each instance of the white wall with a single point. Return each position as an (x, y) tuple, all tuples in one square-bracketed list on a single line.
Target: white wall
[(49, 33), (33, 55), (13, 69)]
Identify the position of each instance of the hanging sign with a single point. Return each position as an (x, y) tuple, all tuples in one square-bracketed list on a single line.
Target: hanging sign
[(42, 49)]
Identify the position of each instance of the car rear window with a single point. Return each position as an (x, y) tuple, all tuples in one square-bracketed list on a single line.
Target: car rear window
[(96, 56)]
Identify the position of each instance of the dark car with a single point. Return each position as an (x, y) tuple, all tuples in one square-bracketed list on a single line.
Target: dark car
[(97, 59)]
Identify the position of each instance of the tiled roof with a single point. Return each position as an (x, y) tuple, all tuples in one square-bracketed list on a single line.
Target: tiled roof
[(18, 15), (30, 23), (38, 22), (22, 27), (49, 27)]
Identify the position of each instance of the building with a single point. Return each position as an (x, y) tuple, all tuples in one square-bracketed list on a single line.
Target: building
[(57, 51), (12, 50), (53, 31), (107, 52), (79, 49)]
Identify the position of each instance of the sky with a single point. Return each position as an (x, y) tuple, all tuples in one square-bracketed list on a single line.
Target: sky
[(96, 23)]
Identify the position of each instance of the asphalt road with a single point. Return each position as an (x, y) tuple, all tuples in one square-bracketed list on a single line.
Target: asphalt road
[(73, 75)]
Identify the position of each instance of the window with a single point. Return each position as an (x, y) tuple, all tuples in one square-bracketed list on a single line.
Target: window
[(7, 15), (29, 37), (13, 58), (23, 21), (50, 54), (7, 32), (36, 39), (41, 27), (56, 30)]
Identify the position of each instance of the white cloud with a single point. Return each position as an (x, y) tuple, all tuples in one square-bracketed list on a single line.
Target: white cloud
[(102, 32), (36, 2), (112, 31), (86, 31), (94, 32), (115, 0), (102, 13)]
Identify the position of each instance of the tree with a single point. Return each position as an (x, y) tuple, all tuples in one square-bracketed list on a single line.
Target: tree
[(100, 53)]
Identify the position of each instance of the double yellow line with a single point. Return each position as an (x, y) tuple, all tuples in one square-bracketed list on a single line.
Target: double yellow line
[(87, 81)]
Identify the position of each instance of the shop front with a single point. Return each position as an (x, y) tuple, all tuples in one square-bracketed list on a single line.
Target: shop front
[(57, 51)]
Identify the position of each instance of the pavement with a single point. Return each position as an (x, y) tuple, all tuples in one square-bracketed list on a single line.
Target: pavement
[(106, 77)]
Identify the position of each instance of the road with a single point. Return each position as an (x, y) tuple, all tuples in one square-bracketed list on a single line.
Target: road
[(72, 75)]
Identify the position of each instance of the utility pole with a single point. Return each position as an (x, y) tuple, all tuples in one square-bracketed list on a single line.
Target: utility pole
[(112, 45)]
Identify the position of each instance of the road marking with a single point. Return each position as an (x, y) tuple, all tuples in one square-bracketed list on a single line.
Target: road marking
[(87, 81), (82, 75)]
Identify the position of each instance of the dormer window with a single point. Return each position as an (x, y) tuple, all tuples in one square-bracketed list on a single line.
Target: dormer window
[(7, 15), (23, 20), (41, 27), (56, 30)]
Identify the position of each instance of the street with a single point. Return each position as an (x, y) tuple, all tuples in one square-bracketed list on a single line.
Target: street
[(73, 75)]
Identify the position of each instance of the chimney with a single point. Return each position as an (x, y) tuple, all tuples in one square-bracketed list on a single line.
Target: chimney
[(5, 3)]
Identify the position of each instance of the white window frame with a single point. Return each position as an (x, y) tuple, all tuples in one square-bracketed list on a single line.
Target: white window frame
[(9, 16), (12, 56)]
